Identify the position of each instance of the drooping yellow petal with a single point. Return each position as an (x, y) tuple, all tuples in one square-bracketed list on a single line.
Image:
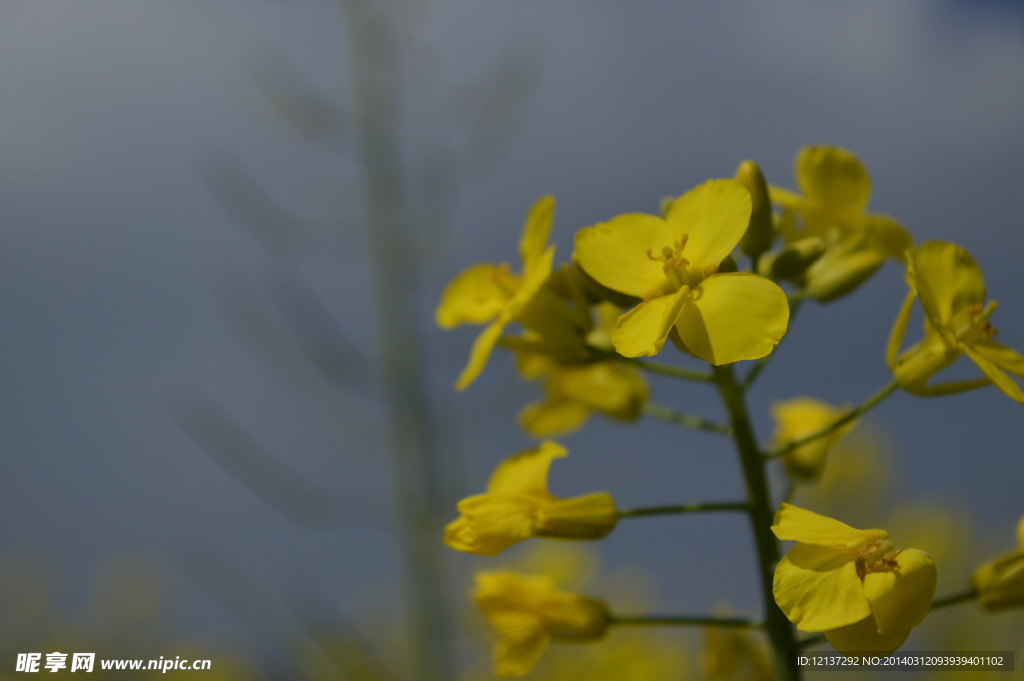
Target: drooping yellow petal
[(475, 296), (996, 375), (863, 637), (833, 179), (516, 657), (948, 280), (644, 329), (731, 317), (526, 472), (714, 215), (798, 524), (818, 589), (481, 352), (533, 279), (1003, 357), (902, 598), (886, 235), (553, 417), (615, 253), (537, 230), (491, 523), (899, 329)]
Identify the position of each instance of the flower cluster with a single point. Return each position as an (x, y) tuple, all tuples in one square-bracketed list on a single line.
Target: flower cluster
[(639, 282)]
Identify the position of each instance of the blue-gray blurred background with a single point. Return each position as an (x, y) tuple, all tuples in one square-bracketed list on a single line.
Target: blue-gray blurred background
[(134, 280)]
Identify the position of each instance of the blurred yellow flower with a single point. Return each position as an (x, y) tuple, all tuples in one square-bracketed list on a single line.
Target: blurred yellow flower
[(1000, 583), (796, 419), (529, 612), (835, 190), (493, 293), (865, 593), (951, 288), (732, 654), (672, 265), (574, 391), (517, 506)]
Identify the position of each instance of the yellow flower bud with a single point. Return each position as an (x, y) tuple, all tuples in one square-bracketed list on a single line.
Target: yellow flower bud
[(517, 506), (799, 417), (761, 230), (1000, 583)]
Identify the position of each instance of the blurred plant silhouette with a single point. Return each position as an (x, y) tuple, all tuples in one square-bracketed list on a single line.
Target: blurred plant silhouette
[(392, 214)]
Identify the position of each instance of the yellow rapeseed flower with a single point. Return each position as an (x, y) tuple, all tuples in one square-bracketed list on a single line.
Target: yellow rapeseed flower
[(951, 288), (836, 189), (517, 506), (672, 264), (1000, 583), (865, 593), (529, 612), (493, 295), (796, 419)]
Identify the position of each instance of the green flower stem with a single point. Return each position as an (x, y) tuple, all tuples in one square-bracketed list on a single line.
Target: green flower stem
[(795, 301), (955, 599), (671, 621), (761, 510), (675, 372), (870, 404), (665, 414), (686, 508), (945, 602)]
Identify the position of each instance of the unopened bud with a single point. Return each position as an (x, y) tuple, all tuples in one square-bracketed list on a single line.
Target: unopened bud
[(793, 260), (761, 230)]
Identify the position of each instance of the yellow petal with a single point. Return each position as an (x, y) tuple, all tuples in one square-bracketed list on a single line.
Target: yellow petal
[(615, 252), (534, 275), (475, 296), (1003, 357), (553, 417), (798, 524), (887, 236), (802, 416), (526, 472), (643, 330), (518, 657), (491, 523), (731, 317), (785, 197), (714, 215), (537, 230), (613, 388), (833, 179), (901, 599), (947, 279), (481, 352), (818, 589), (863, 637), (899, 329), (997, 375)]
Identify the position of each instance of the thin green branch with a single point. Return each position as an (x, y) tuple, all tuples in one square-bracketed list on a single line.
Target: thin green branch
[(675, 372), (955, 599), (698, 621), (665, 414), (685, 508), (870, 404)]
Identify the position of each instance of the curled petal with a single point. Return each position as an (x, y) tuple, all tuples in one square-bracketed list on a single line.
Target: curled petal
[(818, 589), (537, 230), (798, 524), (901, 599), (947, 279), (996, 375), (474, 297), (735, 316), (644, 329), (526, 472), (490, 524), (863, 637), (1003, 357), (481, 352)]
